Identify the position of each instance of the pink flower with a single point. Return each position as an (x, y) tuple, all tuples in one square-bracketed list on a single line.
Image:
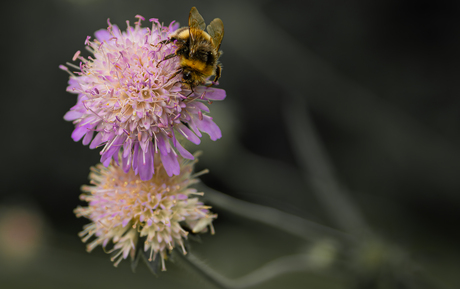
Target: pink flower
[(123, 208), (126, 103)]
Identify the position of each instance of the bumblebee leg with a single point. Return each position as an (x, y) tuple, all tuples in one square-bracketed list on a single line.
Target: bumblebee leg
[(176, 73), (192, 91), (218, 74), (166, 58), (167, 41), (164, 42)]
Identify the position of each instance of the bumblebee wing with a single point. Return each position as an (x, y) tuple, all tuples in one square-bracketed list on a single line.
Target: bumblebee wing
[(216, 31), (195, 20)]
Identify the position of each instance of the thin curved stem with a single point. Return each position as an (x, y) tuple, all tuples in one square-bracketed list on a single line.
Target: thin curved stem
[(275, 218), (273, 269)]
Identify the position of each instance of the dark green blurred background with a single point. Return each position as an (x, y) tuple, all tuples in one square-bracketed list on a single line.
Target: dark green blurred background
[(380, 79)]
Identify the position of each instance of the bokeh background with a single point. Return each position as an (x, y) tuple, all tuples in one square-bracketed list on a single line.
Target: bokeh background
[(375, 81)]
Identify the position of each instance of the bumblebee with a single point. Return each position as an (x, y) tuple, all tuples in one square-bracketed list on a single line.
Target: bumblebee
[(198, 50)]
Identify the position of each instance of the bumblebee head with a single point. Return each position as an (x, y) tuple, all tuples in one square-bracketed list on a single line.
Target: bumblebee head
[(191, 77)]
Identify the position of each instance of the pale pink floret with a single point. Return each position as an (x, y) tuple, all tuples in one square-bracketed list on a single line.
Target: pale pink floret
[(122, 208), (125, 102)]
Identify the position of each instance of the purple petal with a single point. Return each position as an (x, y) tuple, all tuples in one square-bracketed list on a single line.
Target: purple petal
[(201, 106), (96, 141), (88, 137), (127, 147), (136, 153), (102, 35), (108, 136), (163, 145), (170, 163), (126, 161), (73, 83), (114, 148), (72, 115), (185, 131), (145, 163), (144, 144), (173, 26), (174, 140), (209, 127), (115, 158), (211, 93), (107, 162), (193, 126), (80, 131), (183, 152)]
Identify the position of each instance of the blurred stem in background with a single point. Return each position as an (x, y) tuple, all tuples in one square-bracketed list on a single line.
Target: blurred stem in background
[(319, 173), (282, 265), (305, 229)]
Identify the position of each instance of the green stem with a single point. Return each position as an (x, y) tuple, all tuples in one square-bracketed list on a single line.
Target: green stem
[(280, 220), (275, 268)]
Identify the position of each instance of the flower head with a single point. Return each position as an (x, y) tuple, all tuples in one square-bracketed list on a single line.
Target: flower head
[(123, 208), (125, 102)]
